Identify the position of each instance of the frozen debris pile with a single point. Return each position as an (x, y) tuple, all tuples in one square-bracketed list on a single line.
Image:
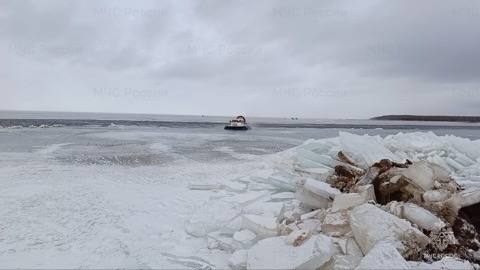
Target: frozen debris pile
[(354, 202)]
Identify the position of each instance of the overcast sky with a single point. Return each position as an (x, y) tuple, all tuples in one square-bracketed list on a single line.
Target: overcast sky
[(321, 59)]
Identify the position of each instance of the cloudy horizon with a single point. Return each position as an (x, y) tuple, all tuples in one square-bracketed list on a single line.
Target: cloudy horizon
[(313, 59)]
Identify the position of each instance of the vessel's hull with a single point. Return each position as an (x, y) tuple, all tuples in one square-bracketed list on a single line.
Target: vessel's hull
[(236, 128)]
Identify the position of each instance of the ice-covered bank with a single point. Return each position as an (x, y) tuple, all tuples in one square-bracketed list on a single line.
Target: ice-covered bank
[(176, 198), (364, 202), (95, 197)]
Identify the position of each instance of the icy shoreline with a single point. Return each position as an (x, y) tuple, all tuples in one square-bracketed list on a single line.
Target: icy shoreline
[(291, 218)]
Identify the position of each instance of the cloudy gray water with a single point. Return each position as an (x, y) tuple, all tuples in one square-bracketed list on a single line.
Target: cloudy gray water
[(268, 135), (126, 139)]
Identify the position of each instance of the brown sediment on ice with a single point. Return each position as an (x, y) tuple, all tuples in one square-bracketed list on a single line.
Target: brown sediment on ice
[(428, 187)]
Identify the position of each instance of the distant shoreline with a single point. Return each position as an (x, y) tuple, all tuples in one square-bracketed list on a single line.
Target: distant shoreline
[(38, 123), (430, 118)]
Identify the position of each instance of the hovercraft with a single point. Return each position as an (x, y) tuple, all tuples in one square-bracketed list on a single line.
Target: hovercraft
[(239, 123)]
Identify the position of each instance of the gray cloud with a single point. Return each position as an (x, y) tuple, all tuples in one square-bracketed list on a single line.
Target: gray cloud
[(273, 58)]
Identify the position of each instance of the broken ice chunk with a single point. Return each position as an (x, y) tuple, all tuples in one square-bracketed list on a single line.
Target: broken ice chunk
[(345, 158), (316, 172), (210, 217), (277, 182), (296, 238), (463, 159), (417, 215), (440, 173), (383, 255), (366, 150), (347, 200), (247, 198), (323, 160), (262, 226), (367, 191), (436, 195), (422, 217), (469, 196), (282, 196), (238, 260), (245, 237), (235, 186), (318, 146), (316, 194), (290, 212), (275, 253), (348, 246), (312, 200), (455, 165), (232, 226), (312, 225), (303, 163), (204, 186), (336, 223), (352, 248), (371, 224), (321, 188), (286, 228), (221, 241), (342, 262), (421, 174), (312, 214), (271, 209)]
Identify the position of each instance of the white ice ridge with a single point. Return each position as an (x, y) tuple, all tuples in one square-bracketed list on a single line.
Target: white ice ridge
[(460, 156), (285, 216)]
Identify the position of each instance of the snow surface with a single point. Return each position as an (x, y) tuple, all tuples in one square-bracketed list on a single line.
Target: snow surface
[(85, 198), (126, 198)]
